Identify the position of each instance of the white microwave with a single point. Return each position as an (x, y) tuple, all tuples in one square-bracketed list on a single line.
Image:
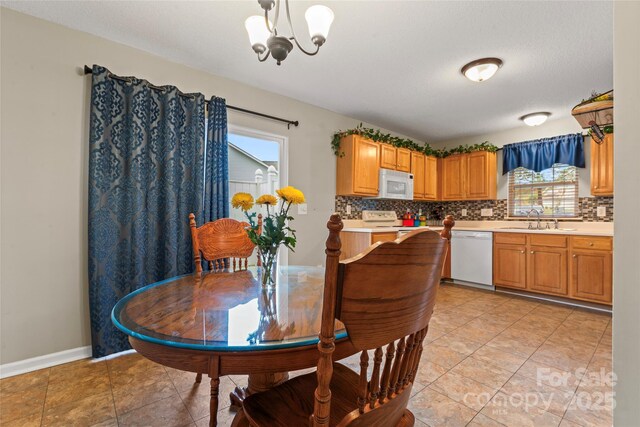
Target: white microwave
[(395, 185)]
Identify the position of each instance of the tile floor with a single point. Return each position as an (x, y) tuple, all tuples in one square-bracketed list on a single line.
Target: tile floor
[(490, 360)]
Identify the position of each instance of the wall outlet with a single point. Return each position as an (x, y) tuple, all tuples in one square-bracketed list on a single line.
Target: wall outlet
[(463, 212), (302, 209), (348, 209), (486, 212), (601, 211)]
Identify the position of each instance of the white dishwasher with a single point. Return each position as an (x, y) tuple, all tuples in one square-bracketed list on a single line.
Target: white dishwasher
[(472, 258)]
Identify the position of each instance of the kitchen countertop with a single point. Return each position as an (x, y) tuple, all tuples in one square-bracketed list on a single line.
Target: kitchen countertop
[(566, 227)]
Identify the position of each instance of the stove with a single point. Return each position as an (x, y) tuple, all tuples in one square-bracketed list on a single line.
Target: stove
[(385, 219)]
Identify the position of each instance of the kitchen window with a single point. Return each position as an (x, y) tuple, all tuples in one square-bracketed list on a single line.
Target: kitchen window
[(553, 192)]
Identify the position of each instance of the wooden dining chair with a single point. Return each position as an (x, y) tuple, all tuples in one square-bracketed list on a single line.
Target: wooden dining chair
[(385, 297), (224, 243)]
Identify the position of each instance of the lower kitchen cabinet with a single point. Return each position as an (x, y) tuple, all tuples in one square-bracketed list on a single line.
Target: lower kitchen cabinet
[(591, 271), (548, 270), (509, 266), (578, 267)]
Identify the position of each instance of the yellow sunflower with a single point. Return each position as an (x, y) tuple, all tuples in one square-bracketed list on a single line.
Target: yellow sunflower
[(291, 195), (267, 199), (243, 201)]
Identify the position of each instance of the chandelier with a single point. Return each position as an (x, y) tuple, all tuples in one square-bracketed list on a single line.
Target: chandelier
[(264, 37)]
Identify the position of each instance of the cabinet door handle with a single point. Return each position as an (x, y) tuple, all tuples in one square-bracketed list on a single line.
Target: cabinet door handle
[(532, 252), (590, 243), (575, 256), (521, 252)]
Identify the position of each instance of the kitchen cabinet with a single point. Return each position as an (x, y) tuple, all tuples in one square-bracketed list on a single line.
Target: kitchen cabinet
[(602, 166), (431, 178), (591, 266), (403, 160), (509, 266), (578, 267), (395, 158), (425, 176), (417, 169), (388, 154), (453, 177), (357, 170), (547, 272), (481, 176), (470, 176), (510, 260)]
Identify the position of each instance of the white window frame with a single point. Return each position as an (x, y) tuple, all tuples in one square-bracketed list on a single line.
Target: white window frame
[(283, 162)]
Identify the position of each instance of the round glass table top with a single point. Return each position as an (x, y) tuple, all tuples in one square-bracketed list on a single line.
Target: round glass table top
[(228, 311)]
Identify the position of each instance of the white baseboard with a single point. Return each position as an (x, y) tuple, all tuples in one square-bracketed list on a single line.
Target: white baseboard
[(45, 361)]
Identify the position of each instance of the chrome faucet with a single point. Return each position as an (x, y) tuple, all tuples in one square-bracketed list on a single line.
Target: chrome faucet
[(538, 227), (555, 223)]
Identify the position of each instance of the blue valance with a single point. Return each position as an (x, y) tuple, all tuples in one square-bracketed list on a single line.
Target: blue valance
[(541, 154)]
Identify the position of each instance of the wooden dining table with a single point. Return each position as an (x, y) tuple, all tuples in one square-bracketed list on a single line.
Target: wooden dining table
[(226, 323)]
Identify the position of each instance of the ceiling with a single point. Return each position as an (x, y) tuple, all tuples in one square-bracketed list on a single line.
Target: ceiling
[(392, 63)]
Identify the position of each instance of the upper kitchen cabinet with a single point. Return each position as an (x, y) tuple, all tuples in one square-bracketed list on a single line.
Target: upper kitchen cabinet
[(470, 176), (602, 166), (481, 176), (357, 169), (395, 158), (453, 174), (425, 176), (431, 178), (403, 160), (417, 169)]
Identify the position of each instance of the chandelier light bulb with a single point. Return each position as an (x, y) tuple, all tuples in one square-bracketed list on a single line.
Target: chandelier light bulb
[(535, 119), (319, 19), (258, 32), (481, 69)]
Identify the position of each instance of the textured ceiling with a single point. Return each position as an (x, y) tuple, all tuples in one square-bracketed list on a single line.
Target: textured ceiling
[(392, 63)]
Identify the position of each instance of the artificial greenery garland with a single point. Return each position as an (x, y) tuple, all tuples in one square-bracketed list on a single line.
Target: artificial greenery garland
[(426, 149)]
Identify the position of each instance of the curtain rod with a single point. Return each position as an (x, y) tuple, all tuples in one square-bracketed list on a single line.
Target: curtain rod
[(89, 70)]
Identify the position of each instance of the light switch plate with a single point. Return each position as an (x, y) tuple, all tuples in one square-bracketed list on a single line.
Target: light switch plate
[(463, 212), (486, 212), (348, 209), (601, 211), (302, 209)]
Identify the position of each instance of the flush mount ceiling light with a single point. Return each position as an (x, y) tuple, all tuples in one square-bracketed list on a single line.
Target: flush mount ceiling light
[(481, 69), (535, 119), (264, 37)]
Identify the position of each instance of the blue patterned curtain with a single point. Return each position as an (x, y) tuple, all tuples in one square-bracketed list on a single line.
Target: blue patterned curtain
[(146, 171), (216, 189), (541, 154)]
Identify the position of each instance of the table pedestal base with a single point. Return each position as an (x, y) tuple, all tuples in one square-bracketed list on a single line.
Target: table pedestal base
[(256, 384)]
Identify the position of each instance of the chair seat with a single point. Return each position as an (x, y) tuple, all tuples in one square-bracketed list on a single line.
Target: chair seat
[(291, 403)]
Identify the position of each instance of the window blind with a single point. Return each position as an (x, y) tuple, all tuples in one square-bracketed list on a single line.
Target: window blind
[(553, 192)]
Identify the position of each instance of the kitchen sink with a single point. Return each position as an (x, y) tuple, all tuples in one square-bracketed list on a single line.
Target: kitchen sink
[(536, 229)]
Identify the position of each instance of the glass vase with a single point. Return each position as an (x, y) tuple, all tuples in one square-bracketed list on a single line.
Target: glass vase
[(269, 261)]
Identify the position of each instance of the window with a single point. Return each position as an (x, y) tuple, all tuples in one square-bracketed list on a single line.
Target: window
[(257, 165), (553, 192)]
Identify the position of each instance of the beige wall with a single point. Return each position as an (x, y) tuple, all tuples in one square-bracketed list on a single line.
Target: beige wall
[(527, 133), (626, 268), (44, 305)]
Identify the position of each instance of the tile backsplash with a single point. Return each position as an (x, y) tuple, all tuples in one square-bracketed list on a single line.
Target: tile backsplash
[(436, 210)]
